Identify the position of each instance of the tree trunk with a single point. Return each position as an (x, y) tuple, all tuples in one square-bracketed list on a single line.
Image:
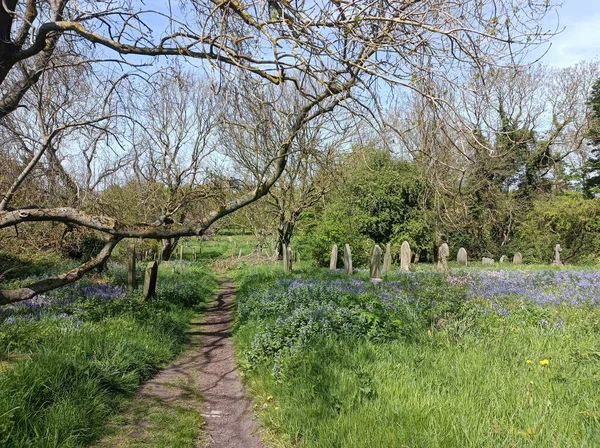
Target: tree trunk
[(168, 247), (284, 236)]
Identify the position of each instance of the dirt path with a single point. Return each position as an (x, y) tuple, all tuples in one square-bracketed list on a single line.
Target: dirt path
[(227, 412), (203, 377)]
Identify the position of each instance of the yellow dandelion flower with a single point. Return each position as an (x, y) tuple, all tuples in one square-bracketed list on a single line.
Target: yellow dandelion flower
[(276, 408), (529, 361), (544, 362)]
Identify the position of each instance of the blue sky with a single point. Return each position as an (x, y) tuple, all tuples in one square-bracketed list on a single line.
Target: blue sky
[(580, 39)]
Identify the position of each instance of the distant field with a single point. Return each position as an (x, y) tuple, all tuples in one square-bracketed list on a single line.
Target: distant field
[(481, 358)]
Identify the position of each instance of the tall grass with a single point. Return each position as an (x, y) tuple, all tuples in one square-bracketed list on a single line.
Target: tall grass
[(64, 371), (468, 373)]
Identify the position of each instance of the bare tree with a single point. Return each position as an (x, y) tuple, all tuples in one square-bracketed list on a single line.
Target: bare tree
[(345, 49)]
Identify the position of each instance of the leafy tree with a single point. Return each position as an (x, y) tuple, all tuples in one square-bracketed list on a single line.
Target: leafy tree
[(592, 181), (380, 203)]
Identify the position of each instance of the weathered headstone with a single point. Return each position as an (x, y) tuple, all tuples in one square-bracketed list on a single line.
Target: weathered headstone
[(375, 271), (557, 251), (348, 259), (181, 253), (387, 258), (486, 260), (131, 267), (502, 259), (287, 262), (443, 254), (405, 256), (150, 280), (333, 259), (416, 260), (518, 258), (461, 256)]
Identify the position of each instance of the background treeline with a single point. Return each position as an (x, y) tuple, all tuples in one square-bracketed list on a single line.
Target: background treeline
[(524, 177), (530, 186)]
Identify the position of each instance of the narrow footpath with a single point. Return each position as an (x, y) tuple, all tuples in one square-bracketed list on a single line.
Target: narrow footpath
[(202, 380), (227, 412)]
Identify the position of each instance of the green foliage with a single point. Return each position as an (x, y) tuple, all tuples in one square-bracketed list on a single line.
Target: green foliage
[(380, 202), (476, 374), (62, 374), (592, 181), (569, 220)]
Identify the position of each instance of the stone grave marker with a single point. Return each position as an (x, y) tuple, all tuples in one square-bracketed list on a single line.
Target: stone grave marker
[(557, 251), (461, 256), (348, 259), (131, 267), (150, 280), (443, 254), (405, 256), (333, 259), (375, 270), (387, 258), (518, 258)]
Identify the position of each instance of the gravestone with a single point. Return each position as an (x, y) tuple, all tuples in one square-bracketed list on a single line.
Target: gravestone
[(443, 254), (131, 267), (287, 259), (518, 258), (348, 259), (502, 259), (557, 251), (333, 259), (486, 260), (181, 253), (375, 271), (150, 280), (416, 260), (405, 256), (387, 258), (461, 256)]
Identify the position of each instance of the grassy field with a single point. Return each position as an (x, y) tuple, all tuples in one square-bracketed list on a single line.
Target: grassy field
[(481, 358), (70, 360)]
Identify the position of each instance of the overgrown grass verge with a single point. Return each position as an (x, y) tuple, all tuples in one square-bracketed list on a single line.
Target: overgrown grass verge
[(424, 360), (67, 362)]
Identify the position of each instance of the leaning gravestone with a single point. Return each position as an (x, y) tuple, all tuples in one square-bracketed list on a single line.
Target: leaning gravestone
[(518, 258), (375, 271), (502, 259), (461, 256), (348, 259), (443, 254), (486, 260), (387, 258), (557, 251), (150, 280), (405, 256), (333, 259)]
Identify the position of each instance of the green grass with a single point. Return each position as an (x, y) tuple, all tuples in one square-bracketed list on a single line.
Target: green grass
[(61, 379), (462, 380)]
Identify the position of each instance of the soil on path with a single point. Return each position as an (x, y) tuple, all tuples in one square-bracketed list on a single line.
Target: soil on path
[(228, 413), (203, 377)]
